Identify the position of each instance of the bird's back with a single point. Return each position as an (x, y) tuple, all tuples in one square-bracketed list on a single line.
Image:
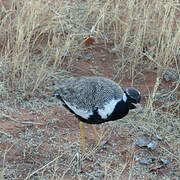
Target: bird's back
[(88, 92)]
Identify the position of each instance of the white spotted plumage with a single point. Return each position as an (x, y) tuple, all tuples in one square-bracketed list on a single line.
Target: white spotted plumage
[(89, 92), (96, 99), (80, 112)]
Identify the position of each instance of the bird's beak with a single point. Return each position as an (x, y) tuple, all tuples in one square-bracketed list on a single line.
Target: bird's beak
[(138, 106)]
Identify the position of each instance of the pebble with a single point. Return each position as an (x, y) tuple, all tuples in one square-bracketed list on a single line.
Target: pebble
[(145, 130), (146, 161), (158, 137), (166, 77), (152, 145), (9, 174), (164, 161), (88, 56), (145, 142), (142, 141), (104, 144), (169, 128), (171, 74)]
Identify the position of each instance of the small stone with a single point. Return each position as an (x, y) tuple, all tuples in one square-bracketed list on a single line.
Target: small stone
[(137, 158), (146, 161), (169, 128), (158, 137), (166, 77), (104, 144), (164, 161), (9, 174), (88, 56), (171, 74), (145, 130), (67, 53), (142, 141), (152, 145)]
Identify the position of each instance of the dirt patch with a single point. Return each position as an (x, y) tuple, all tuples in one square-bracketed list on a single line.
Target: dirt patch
[(36, 138)]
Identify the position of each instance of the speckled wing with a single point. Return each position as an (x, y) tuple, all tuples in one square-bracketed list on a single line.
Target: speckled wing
[(85, 94)]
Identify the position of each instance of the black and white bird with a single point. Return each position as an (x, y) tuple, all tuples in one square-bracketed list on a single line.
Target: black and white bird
[(96, 100)]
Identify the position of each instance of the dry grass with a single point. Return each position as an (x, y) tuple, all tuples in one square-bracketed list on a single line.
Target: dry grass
[(40, 40)]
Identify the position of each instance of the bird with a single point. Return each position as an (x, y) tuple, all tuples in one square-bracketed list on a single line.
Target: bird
[(96, 100)]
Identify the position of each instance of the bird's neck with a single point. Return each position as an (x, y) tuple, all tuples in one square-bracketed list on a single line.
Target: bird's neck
[(121, 109)]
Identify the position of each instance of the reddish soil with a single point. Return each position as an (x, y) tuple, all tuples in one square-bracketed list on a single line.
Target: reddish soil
[(66, 125)]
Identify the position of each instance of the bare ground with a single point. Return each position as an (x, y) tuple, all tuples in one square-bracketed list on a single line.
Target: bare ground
[(41, 139)]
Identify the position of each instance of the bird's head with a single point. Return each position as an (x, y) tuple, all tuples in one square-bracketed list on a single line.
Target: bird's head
[(132, 97)]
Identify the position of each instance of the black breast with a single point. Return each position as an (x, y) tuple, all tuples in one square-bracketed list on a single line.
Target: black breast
[(121, 109)]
